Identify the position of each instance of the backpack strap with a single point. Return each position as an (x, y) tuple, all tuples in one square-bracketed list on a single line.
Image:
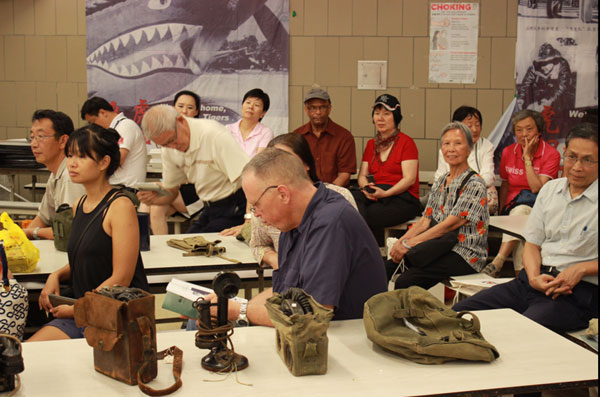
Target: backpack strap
[(475, 325), (408, 312)]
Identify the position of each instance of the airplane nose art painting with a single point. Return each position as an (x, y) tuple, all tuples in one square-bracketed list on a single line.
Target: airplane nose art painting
[(141, 52)]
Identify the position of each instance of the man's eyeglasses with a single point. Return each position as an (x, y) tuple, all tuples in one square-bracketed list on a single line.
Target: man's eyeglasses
[(30, 138), (585, 161), (321, 108), (253, 206)]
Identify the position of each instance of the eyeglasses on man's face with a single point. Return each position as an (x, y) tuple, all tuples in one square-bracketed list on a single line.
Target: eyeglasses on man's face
[(585, 161), (40, 138), (253, 206)]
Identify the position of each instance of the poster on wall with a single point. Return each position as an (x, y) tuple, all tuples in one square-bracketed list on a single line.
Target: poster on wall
[(453, 33), (140, 53), (556, 67)]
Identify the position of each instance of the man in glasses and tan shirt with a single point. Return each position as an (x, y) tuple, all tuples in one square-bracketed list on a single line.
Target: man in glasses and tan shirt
[(48, 136)]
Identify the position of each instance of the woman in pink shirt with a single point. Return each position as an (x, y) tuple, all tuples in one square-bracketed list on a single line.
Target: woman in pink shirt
[(249, 132)]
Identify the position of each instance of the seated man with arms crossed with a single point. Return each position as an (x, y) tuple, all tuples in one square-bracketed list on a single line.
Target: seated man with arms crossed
[(325, 247), (559, 287), (48, 136)]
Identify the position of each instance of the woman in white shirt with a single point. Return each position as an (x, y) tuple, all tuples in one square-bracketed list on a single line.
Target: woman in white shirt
[(481, 159)]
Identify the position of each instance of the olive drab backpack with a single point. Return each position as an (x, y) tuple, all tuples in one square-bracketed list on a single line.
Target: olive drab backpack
[(414, 324)]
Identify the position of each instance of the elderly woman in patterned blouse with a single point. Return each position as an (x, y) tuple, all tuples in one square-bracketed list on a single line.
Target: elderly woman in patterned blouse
[(454, 225), (265, 239)]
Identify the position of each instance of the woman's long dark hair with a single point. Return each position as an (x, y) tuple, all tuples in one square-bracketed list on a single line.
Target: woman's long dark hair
[(96, 142), (300, 146)]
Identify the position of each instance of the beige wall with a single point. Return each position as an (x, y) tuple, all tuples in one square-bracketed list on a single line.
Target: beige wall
[(42, 63)]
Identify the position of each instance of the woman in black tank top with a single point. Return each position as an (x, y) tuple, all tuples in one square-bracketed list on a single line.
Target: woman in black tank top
[(103, 248)]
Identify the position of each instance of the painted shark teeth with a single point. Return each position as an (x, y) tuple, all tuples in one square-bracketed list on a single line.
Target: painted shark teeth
[(106, 56)]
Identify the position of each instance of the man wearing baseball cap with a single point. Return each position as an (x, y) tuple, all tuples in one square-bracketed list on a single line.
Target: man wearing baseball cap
[(332, 145)]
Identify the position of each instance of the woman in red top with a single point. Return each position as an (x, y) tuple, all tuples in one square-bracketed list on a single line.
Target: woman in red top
[(389, 173), (525, 167)]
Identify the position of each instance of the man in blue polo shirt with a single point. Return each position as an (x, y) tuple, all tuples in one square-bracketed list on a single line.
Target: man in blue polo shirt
[(325, 247)]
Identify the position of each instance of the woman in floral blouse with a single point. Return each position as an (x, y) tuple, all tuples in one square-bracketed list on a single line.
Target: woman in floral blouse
[(457, 205)]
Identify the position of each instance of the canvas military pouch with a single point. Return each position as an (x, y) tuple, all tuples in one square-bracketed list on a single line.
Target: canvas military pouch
[(61, 226), (199, 246), (415, 325), (301, 338)]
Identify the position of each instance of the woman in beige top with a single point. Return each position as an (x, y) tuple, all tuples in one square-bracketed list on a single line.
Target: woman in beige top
[(265, 239)]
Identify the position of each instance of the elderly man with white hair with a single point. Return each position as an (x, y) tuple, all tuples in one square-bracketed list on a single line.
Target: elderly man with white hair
[(202, 152), (325, 246)]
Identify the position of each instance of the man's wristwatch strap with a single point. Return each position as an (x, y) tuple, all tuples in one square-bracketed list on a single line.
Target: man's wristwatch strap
[(35, 233), (242, 319)]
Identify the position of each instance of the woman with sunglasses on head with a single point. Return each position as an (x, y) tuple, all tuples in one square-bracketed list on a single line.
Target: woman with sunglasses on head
[(187, 202), (103, 250), (265, 239), (389, 172)]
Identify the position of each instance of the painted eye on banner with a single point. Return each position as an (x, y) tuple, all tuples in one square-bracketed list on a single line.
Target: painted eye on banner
[(158, 4)]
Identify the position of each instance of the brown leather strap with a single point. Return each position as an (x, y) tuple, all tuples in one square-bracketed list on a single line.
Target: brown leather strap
[(177, 367)]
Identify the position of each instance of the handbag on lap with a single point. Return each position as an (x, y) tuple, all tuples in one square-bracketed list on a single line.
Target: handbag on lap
[(525, 197)]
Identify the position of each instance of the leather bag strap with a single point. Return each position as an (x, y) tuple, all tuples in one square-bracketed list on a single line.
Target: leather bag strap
[(177, 367)]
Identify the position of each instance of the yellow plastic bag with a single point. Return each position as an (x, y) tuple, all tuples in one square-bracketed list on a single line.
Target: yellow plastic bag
[(22, 255)]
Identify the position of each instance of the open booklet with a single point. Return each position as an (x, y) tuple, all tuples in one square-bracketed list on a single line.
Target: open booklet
[(181, 296)]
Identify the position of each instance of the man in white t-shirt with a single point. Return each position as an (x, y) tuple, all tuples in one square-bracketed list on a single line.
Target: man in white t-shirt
[(132, 144)]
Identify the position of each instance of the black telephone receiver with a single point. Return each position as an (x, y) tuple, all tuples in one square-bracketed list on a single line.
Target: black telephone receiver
[(11, 362)]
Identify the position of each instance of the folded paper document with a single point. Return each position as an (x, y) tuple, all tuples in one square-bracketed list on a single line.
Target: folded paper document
[(475, 285)]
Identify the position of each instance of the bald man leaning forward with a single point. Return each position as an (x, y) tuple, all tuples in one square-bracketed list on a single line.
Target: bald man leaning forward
[(325, 247)]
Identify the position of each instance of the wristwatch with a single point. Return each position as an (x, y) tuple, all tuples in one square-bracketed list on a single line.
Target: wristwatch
[(35, 233), (242, 320), (408, 247)]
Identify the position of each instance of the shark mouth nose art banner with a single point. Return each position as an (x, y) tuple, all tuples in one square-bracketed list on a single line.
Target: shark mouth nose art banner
[(141, 52)]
